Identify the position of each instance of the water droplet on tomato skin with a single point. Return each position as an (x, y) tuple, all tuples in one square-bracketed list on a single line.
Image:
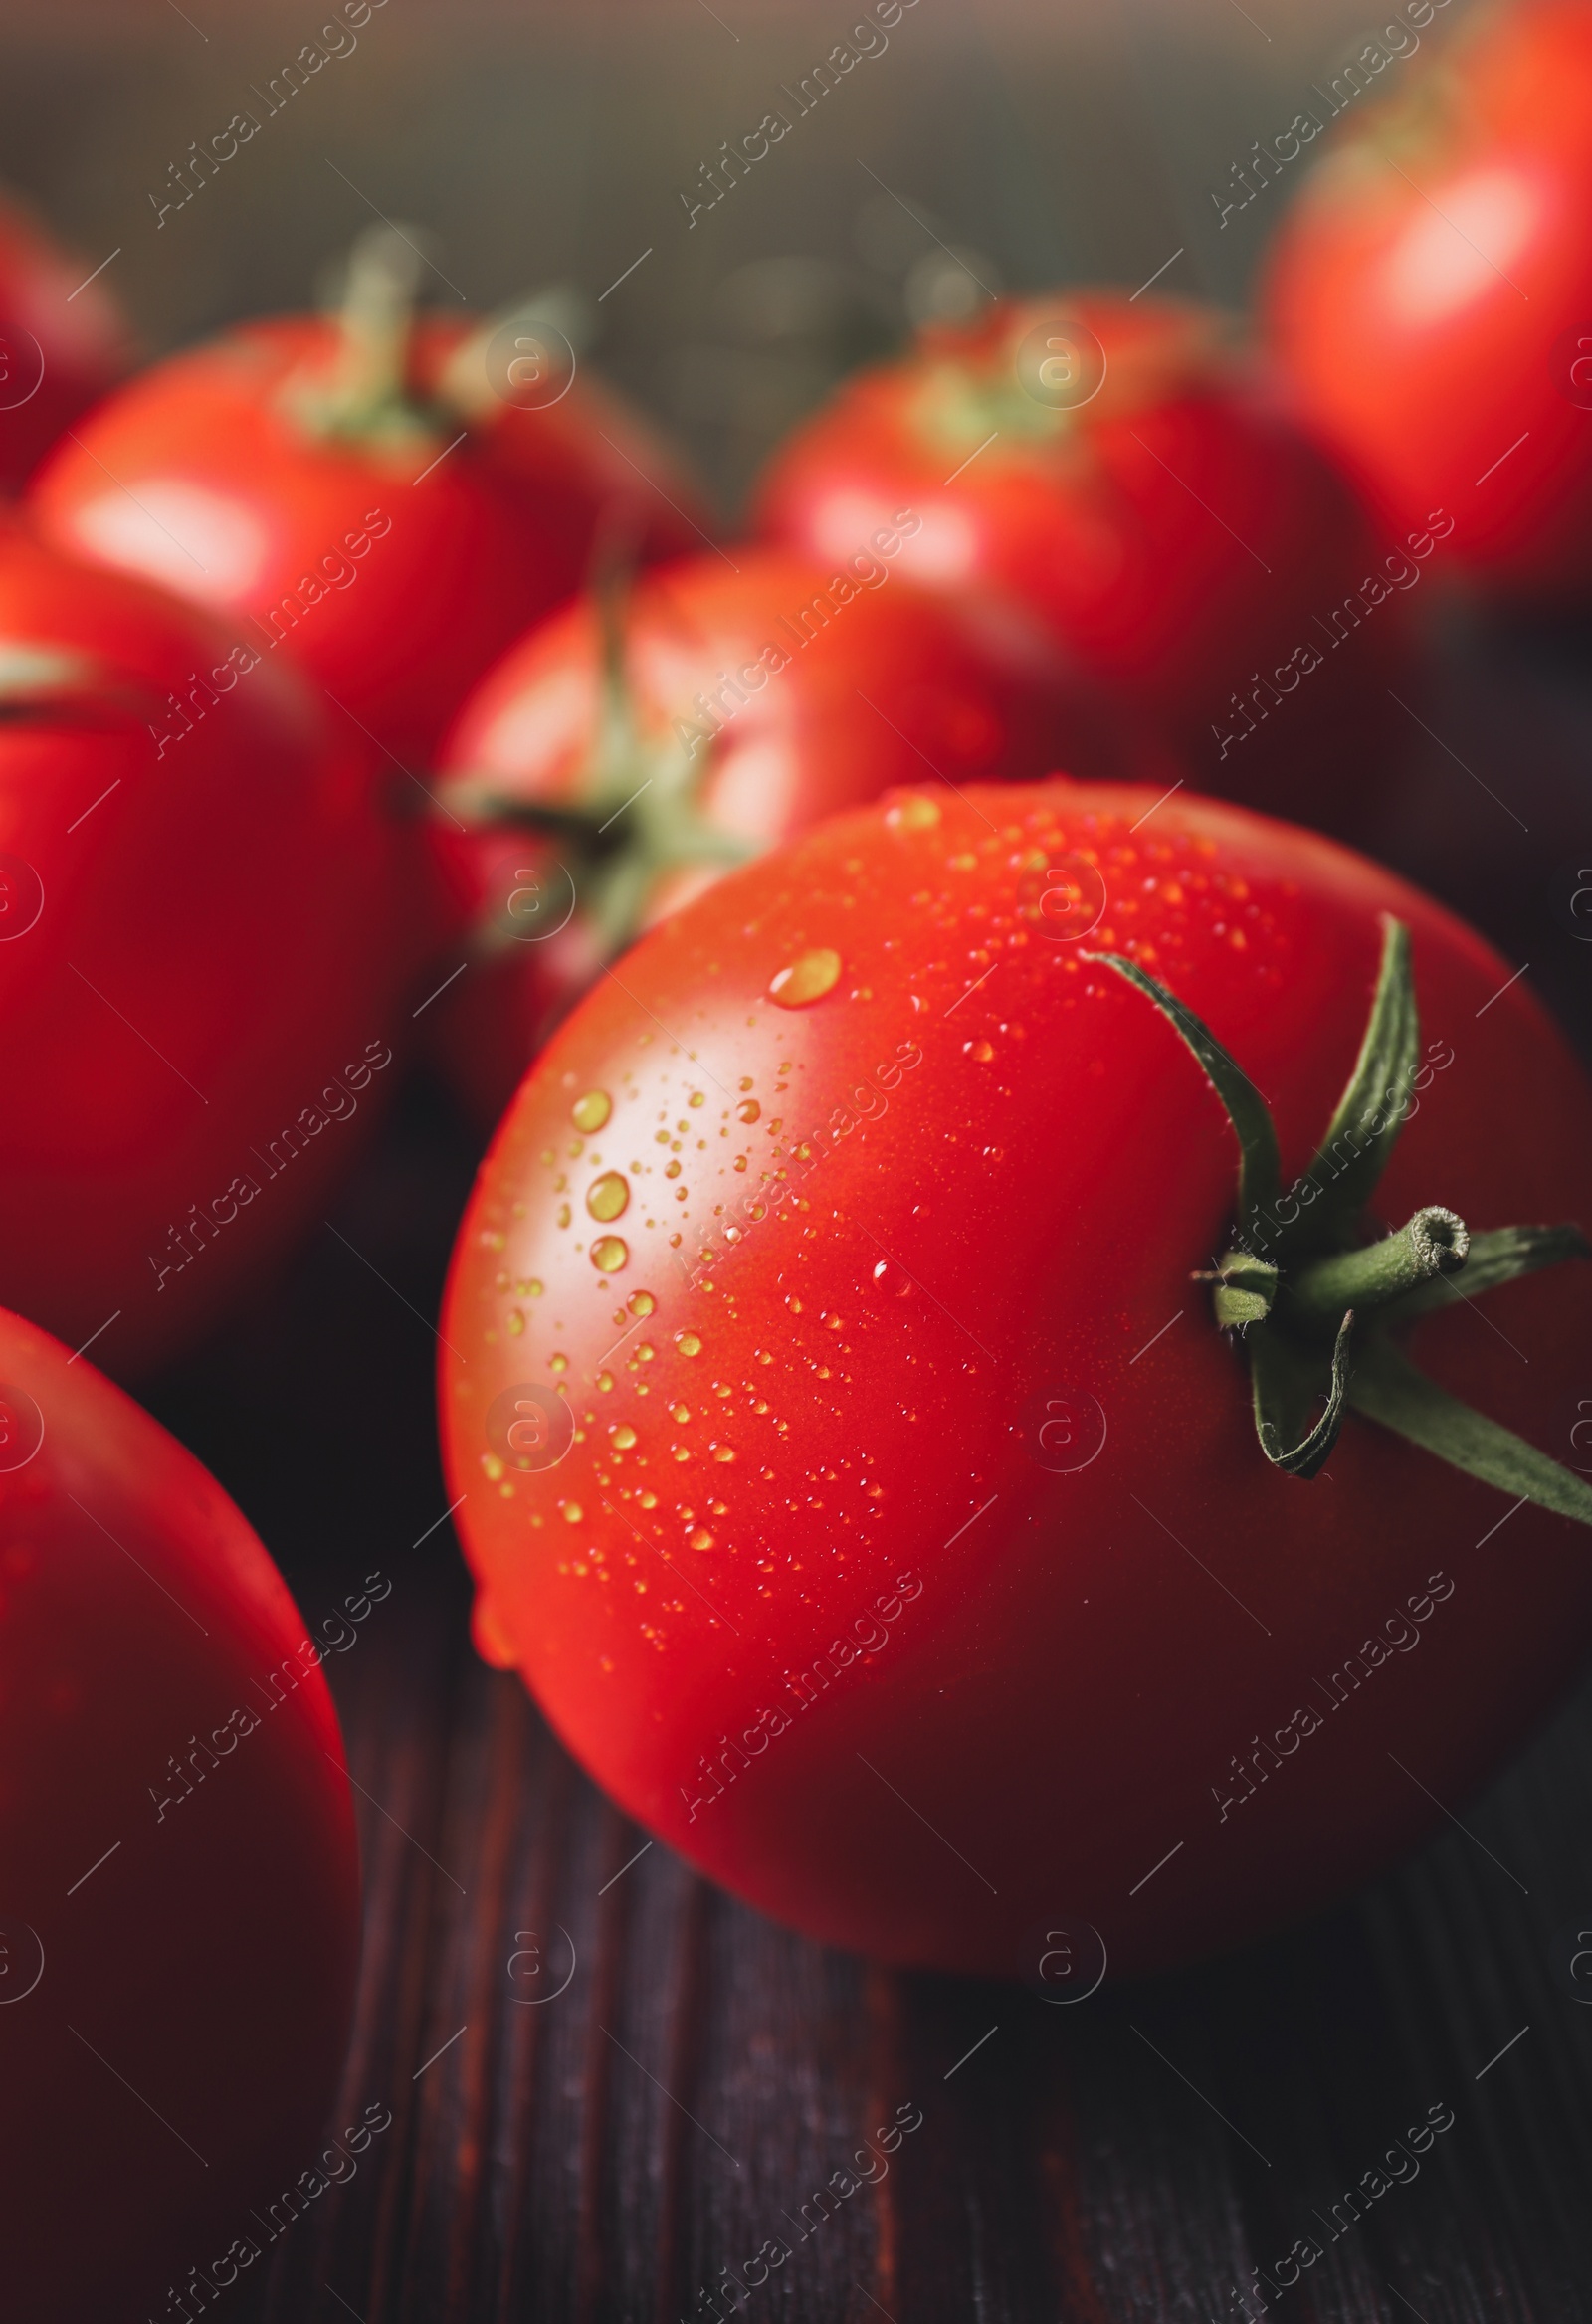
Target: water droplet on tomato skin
[(912, 815), (607, 1196), (609, 1252), (591, 1112), (806, 979)]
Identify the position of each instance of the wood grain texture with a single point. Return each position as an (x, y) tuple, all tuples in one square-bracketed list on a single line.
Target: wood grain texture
[(608, 2151)]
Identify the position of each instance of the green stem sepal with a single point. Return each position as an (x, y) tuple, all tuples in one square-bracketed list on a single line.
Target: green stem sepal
[(634, 816), (1316, 1297), (365, 396)]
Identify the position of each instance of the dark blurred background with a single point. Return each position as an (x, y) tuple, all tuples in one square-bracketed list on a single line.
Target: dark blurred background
[(1080, 140), (990, 144)]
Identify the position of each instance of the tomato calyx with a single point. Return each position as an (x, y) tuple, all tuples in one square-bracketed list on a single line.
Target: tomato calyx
[(364, 397), (1424, 126), (1315, 1302), (40, 681), (31, 675), (367, 393), (634, 818), (990, 379), (467, 389)]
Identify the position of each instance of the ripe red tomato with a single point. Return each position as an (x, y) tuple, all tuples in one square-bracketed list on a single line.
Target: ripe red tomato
[(855, 1472), (393, 539), (179, 1903), (1431, 294), (1106, 467), (756, 693), (62, 341), (197, 986)]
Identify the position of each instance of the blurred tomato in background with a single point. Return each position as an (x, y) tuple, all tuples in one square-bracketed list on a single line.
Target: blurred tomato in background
[(363, 489), (1119, 479), (63, 340), (1430, 295), (631, 749), (201, 957)]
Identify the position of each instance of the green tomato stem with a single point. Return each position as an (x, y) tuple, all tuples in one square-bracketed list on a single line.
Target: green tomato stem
[(1434, 1242)]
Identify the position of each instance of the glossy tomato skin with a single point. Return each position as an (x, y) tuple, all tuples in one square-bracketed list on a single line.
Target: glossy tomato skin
[(394, 587), (1176, 532), (195, 1945), (62, 341), (198, 993), (911, 1565), (792, 690), (1430, 295)]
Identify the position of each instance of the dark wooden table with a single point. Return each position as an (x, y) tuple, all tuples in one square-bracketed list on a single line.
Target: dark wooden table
[(611, 2083), (704, 2074)]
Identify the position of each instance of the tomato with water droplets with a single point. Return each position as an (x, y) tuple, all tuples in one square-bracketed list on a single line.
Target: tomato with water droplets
[(872, 1499)]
